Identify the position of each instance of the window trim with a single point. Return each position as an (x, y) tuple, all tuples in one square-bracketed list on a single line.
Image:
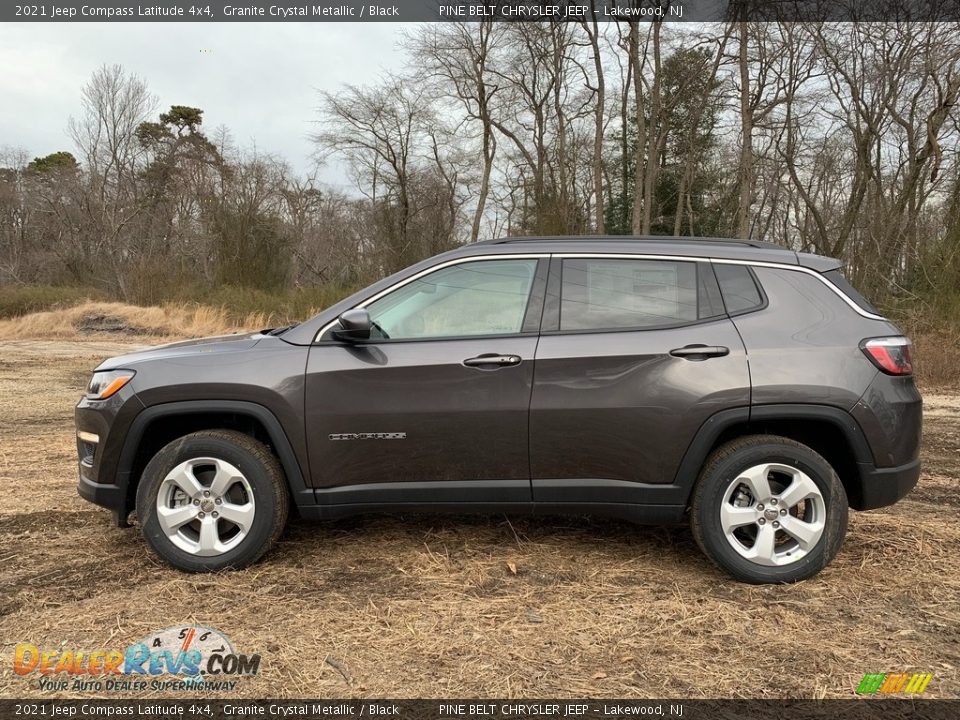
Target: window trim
[(537, 277), (561, 255), (749, 263), (708, 282), (807, 271)]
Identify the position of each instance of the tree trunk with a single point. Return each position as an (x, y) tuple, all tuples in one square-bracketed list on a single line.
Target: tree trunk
[(656, 133), (746, 141), (599, 109), (489, 148), (639, 163)]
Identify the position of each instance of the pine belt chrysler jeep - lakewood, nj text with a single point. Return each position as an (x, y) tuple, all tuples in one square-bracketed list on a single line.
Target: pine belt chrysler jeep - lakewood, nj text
[(741, 385)]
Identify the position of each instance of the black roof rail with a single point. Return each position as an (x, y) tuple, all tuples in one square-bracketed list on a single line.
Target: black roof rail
[(663, 239)]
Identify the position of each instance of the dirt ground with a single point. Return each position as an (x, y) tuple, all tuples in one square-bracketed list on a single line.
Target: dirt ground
[(460, 607)]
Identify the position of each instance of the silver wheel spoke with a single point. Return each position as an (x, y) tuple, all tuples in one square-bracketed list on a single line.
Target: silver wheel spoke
[(805, 533), (240, 515), (732, 517), (764, 548), (177, 515), (800, 489), (209, 537), (769, 514), (755, 478), (224, 478), (171, 519), (186, 480)]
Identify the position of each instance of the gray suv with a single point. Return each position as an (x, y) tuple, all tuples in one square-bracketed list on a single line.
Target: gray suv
[(741, 386)]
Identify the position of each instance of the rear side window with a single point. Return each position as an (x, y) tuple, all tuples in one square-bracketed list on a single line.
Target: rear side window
[(739, 288), (837, 278), (605, 293)]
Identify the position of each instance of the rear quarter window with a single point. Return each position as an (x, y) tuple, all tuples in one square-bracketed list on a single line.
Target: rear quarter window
[(836, 277), (739, 288)]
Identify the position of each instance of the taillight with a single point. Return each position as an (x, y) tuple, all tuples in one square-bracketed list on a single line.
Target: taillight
[(892, 355)]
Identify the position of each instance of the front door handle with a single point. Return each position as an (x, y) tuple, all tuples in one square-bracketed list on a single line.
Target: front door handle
[(700, 352), (492, 360)]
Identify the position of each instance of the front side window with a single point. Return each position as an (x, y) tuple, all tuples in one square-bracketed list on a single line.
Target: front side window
[(484, 297), (608, 294)]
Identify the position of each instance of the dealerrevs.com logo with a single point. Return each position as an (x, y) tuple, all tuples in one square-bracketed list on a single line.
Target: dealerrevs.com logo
[(191, 658)]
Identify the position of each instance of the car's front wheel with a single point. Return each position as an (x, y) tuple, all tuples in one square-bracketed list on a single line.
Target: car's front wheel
[(768, 509), (212, 500)]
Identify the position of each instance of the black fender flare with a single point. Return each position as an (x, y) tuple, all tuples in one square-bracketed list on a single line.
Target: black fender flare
[(302, 495), (708, 433)]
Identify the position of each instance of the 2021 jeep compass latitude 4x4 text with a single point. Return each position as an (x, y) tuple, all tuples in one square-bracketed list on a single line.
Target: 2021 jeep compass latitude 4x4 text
[(742, 386)]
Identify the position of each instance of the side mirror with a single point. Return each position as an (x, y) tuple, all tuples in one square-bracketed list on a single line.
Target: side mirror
[(354, 326)]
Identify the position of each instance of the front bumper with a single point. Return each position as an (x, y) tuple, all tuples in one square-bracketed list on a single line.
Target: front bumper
[(880, 487), (112, 497), (101, 431)]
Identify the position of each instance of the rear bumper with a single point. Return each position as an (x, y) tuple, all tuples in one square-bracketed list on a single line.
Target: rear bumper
[(890, 414), (880, 487)]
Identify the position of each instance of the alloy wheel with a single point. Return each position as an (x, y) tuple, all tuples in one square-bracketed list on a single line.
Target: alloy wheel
[(205, 506), (773, 514)]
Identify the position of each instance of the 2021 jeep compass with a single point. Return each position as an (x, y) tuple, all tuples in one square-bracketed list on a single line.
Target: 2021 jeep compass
[(741, 385)]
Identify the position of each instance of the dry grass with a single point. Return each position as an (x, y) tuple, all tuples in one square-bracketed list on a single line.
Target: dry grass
[(936, 367), (106, 318), (935, 357), (430, 606)]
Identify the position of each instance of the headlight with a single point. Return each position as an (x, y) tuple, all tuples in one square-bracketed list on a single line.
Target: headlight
[(107, 383)]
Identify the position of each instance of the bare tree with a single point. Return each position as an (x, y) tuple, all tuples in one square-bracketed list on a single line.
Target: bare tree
[(377, 130), (599, 90), (114, 105), (637, 64), (890, 92), (746, 135), (460, 55)]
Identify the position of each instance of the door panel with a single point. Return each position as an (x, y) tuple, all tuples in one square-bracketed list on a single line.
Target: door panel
[(413, 412), (439, 398), (616, 407)]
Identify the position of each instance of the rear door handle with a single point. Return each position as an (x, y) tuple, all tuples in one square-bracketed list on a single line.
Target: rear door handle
[(700, 352), (492, 360)]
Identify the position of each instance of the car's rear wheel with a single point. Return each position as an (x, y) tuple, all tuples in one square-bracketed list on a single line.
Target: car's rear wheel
[(212, 500), (768, 509)]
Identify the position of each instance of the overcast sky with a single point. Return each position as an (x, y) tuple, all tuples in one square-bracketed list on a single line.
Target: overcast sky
[(261, 80)]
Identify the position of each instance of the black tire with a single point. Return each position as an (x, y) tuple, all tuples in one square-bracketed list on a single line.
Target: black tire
[(260, 469), (724, 465)]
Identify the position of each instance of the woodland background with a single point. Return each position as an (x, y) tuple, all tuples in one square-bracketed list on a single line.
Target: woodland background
[(838, 139)]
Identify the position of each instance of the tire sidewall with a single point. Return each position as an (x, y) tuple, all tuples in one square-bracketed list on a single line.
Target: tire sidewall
[(716, 485), (261, 488)]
